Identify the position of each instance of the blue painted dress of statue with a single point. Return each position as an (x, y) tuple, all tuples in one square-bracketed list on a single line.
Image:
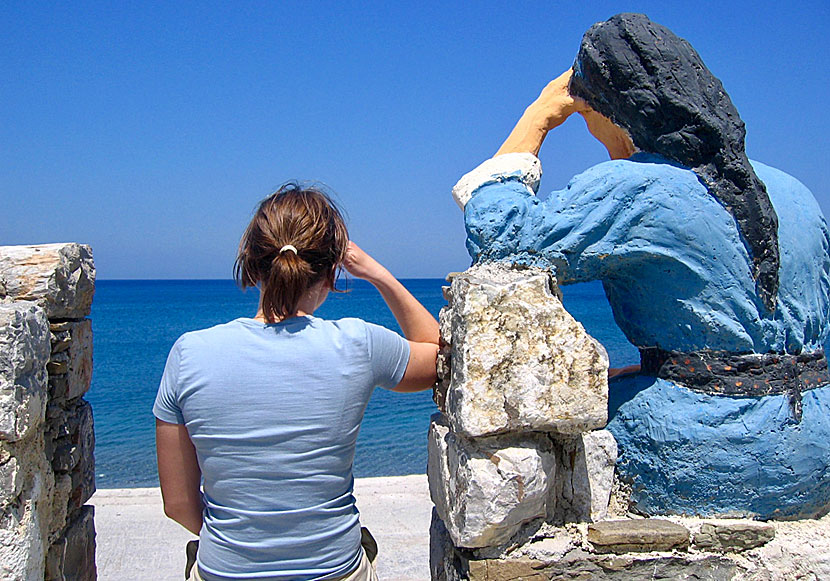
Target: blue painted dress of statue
[(678, 277)]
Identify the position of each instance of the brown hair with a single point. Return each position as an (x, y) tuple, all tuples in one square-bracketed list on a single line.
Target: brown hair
[(306, 219)]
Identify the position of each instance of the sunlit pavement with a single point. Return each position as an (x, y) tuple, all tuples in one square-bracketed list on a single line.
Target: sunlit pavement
[(137, 542)]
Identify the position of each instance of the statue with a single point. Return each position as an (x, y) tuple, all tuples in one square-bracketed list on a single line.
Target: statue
[(716, 267)]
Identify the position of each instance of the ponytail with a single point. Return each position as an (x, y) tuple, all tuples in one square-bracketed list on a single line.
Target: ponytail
[(296, 238), (288, 279)]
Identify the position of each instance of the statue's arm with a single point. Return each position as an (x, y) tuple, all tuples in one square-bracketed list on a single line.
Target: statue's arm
[(553, 106)]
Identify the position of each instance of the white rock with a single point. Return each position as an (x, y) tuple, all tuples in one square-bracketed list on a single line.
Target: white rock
[(600, 450), (485, 489), (24, 352), (10, 481), (586, 477), (23, 527), (520, 362), (59, 277)]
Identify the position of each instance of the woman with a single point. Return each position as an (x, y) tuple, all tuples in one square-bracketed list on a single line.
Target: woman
[(265, 411), (732, 411)]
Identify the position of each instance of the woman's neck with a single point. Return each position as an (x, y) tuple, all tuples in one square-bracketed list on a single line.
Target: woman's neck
[(260, 316), (311, 300)]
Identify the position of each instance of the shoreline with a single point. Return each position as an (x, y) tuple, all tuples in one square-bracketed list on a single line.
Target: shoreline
[(137, 541)]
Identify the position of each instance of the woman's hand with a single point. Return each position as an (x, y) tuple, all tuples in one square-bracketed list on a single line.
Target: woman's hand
[(361, 265)]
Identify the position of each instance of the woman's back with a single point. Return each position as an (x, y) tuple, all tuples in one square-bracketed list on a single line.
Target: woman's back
[(273, 412), (257, 419)]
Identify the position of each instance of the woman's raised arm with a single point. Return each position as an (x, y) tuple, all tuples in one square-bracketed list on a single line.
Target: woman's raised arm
[(419, 326)]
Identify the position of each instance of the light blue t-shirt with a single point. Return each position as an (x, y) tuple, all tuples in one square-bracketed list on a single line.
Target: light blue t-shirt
[(274, 412)]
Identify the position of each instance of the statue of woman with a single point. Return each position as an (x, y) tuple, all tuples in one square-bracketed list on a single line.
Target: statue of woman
[(716, 267)]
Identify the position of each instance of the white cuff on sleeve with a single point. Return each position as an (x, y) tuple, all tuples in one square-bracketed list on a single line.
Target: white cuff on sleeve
[(524, 167)]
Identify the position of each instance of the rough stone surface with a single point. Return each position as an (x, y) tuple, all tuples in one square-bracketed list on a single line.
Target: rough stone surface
[(585, 477), (799, 550), (654, 84), (733, 535), (445, 561), (46, 429), (605, 568), (621, 536), (444, 359), (568, 561), (10, 480), (24, 515), (24, 352), (504, 570), (73, 555), (70, 368), (59, 277), (520, 362), (486, 489)]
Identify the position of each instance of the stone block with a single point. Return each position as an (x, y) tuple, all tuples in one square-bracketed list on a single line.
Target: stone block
[(733, 535), (79, 360), (24, 352), (585, 567), (640, 535), (486, 489), (444, 359), (60, 501), (59, 277), (11, 481), (25, 515), (445, 562), (520, 362), (57, 365), (65, 456), (58, 388), (83, 483), (585, 477), (73, 555), (70, 436), (507, 570)]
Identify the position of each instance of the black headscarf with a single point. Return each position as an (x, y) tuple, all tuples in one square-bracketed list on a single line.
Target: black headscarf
[(652, 83)]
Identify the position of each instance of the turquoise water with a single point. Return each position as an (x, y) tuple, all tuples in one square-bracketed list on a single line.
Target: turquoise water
[(136, 322)]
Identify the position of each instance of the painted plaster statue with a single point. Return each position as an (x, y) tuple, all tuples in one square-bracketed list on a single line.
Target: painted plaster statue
[(715, 266)]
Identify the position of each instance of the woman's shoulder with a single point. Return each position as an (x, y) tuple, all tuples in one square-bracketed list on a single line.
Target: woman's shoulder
[(209, 334), (348, 325), (358, 329)]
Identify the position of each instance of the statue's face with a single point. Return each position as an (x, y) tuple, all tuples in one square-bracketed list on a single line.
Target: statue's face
[(615, 139)]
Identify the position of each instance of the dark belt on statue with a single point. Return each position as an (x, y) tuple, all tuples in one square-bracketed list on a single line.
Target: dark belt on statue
[(739, 374)]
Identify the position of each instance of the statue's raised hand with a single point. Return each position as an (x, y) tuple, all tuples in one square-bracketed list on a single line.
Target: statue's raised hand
[(549, 110), (555, 103)]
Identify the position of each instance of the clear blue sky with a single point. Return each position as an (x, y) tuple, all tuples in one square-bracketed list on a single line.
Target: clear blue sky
[(150, 130)]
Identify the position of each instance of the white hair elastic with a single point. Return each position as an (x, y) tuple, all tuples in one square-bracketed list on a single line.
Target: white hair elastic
[(288, 247)]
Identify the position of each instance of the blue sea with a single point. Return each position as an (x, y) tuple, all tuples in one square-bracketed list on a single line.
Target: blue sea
[(136, 322)]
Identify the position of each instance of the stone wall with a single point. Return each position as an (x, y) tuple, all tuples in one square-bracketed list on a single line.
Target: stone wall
[(522, 473), (46, 427)]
